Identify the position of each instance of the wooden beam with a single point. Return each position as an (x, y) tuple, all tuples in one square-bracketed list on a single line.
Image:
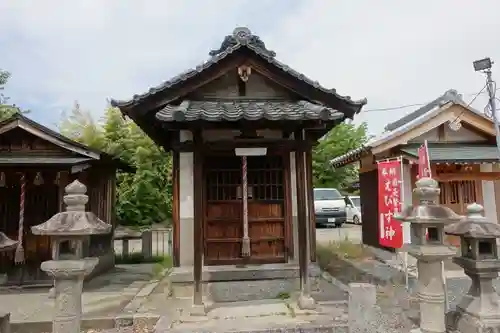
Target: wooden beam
[(441, 132), (288, 205), (176, 208), (450, 177), (286, 144), (310, 204), (198, 218), (301, 212), (286, 125)]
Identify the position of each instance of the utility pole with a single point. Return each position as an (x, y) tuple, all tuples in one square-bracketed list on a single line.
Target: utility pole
[(484, 65)]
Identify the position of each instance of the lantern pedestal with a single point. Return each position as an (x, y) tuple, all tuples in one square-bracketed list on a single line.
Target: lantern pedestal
[(68, 230), (430, 291), (68, 276), (479, 309), (427, 222)]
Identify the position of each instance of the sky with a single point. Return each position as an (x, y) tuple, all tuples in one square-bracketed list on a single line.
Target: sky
[(392, 52)]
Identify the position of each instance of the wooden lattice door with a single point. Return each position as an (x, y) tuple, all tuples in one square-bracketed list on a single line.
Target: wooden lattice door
[(224, 210), (457, 194)]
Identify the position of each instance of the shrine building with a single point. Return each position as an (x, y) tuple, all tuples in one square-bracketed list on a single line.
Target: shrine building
[(240, 126)]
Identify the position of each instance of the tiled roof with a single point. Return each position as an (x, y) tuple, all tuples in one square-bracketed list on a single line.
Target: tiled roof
[(18, 116), (248, 109), (241, 38), (449, 96), (450, 152), (42, 160), (405, 124), (348, 157)]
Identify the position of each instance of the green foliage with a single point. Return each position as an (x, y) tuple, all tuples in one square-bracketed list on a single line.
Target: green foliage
[(145, 197), (6, 110), (338, 141)]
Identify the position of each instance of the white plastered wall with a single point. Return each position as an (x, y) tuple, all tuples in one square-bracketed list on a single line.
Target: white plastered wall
[(186, 213)]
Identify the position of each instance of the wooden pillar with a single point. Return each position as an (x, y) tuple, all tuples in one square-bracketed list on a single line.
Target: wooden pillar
[(198, 307), (288, 206), (175, 208), (310, 204), (305, 300)]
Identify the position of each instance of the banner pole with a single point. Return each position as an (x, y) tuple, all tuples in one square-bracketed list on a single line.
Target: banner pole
[(443, 271), (405, 241)]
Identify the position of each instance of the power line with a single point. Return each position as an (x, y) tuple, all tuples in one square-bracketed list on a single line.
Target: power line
[(422, 104)]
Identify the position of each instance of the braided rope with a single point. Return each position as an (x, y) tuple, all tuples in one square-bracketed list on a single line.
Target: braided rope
[(245, 248), (19, 255)]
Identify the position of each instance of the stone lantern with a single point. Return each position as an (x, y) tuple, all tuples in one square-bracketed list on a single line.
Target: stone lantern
[(479, 309), (6, 245), (68, 231), (427, 221)]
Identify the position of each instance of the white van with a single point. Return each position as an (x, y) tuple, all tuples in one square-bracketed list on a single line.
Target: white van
[(353, 209), (329, 207)]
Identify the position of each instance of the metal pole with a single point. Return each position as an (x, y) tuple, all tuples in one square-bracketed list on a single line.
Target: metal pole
[(491, 92)]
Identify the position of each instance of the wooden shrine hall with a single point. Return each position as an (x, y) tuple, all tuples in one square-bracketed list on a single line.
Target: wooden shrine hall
[(36, 164), (241, 127), (463, 156)]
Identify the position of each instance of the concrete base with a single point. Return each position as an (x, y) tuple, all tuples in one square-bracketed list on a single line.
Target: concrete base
[(234, 273), (233, 284), (198, 310), (306, 302)]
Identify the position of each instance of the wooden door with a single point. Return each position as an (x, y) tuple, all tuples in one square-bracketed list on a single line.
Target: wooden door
[(224, 210), (457, 194)]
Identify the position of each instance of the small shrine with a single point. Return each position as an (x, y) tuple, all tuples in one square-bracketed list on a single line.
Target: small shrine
[(36, 164), (463, 157), (241, 127)]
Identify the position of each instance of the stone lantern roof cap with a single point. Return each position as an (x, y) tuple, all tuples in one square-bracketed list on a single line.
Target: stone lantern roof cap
[(474, 225), (428, 211), (6, 244), (75, 221)]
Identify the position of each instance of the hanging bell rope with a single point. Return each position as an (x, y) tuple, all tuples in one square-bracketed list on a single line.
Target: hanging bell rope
[(38, 179), (19, 255), (2, 179), (245, 248)]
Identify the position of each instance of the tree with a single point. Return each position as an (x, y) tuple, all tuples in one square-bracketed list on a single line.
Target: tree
[(6, 109), (340, 140), (143, 198)]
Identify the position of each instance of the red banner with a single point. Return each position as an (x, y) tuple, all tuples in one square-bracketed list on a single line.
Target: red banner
[(424, 165), (389, 202)]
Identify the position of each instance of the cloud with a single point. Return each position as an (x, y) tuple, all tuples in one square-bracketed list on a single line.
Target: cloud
[(391, 52)]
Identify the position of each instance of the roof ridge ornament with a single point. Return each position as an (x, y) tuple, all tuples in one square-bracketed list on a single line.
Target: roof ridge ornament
[(243, 36)]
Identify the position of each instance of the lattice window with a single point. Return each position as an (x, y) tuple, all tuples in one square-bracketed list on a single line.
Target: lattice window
[(264, 175), (223, 176), (456, 192)]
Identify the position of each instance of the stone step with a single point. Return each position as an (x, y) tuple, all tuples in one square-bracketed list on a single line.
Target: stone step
[(235, 273), (233, 291)]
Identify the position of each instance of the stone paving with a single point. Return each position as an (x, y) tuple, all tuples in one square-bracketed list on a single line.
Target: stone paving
[(104, 296), (280, 312)]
